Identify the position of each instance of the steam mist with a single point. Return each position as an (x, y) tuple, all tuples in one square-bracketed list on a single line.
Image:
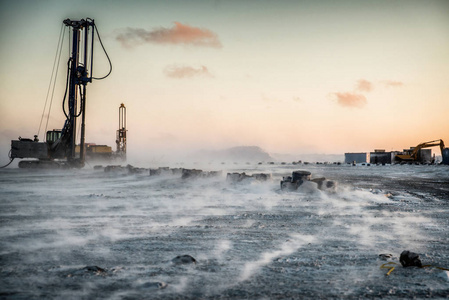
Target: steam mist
[(91, 234)]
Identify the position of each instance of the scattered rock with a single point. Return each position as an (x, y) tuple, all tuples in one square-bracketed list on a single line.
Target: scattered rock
[(129, 169), (410, 259), (161, 171), (298, 178), (176, 171), (330, 184), (114, 168), (191, 173), (385, 256), (135, 170), (89, 270), (262, 176), (213, 174), (237, 177), (243, 177), (183, 259), (184, 173), (287, 183), (154, 285), (301, 175), (94, 269)]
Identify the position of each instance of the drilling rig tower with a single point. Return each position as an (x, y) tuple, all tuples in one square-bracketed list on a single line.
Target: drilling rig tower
[(121, 132)]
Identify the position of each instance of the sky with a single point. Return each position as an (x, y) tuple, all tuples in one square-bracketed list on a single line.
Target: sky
[(287, 76)]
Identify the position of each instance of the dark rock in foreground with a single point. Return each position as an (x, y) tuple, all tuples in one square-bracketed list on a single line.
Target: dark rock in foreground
[(410, 259), (292, 183)]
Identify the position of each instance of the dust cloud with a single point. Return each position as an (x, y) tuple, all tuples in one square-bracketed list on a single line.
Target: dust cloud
[(95, 234)]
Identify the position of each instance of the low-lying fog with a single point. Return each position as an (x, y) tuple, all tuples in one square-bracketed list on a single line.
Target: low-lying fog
[(249, 240)]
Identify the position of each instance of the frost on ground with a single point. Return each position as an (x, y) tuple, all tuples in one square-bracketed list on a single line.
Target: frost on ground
[(90, 234)]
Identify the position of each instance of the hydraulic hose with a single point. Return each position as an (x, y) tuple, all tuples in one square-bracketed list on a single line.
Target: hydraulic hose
[(10, 160), (107, 56)]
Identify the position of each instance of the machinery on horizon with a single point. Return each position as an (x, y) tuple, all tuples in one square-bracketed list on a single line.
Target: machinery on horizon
[(413, 153), (121, 132), (104, 153), (60, 148)]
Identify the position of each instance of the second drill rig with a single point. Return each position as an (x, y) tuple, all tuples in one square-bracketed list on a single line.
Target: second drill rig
[(121, 133)]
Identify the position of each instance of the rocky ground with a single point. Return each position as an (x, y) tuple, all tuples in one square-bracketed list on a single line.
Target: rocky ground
[(116, 236)]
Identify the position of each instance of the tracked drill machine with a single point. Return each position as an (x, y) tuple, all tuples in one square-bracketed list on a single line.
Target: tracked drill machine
[(60, 149)]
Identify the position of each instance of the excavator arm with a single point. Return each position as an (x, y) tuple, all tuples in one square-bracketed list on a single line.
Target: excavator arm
[(414, 155)]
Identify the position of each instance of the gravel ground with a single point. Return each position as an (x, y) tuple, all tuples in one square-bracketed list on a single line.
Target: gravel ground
[(89, 234)]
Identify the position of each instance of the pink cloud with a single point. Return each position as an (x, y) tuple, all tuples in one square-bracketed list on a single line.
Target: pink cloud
[(351, 99), (186, 72), (392, 83), (364, 85), (178, 34)]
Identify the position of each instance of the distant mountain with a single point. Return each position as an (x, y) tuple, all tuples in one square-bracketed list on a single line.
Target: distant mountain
[(235, 154)]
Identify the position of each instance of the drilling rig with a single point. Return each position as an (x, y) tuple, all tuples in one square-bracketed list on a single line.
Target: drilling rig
[(59, 149), (121, 133)]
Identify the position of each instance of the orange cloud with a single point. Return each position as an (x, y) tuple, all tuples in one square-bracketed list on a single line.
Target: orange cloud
[(186, 72), (364, 85), (178, 34), (392, 83), (351, 99)]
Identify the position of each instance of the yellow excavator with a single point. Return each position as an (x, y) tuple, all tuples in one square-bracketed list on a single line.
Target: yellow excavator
[(413, 155)]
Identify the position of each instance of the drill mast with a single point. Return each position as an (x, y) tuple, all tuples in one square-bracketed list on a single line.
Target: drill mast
[(60, 146), (121, 132)]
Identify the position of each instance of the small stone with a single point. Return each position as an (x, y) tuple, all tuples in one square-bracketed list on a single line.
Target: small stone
[(94, 269), (154, 285), (183, 259), (385, 256)]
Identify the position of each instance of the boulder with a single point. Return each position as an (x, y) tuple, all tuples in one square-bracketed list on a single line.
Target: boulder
[(300, 177), (410, 259)]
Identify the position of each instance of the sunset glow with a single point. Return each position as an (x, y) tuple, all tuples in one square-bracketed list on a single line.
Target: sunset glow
[(288, 76)]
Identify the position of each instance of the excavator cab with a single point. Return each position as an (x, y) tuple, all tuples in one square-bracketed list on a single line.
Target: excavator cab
[(53, 136)]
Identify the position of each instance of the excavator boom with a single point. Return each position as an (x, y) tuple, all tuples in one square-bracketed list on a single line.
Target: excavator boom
[(413, 156)]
